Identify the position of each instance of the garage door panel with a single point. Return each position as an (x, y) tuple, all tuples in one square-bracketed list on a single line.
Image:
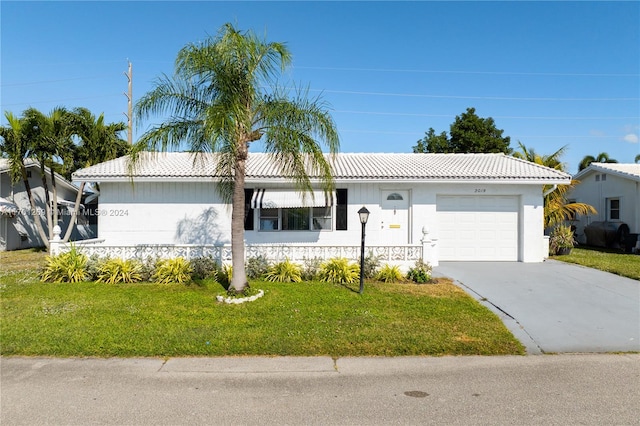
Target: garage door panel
[(478, 227)]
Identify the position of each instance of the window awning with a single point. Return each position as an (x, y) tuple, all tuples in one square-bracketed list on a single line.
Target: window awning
[(283, 199), (8, 208), (68, 204)]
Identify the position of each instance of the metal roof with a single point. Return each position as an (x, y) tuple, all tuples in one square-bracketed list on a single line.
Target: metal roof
[(364, 167)]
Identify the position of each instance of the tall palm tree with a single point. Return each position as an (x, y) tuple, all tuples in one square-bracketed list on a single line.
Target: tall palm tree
[(50, 140), (221, 99), (16, 149), (557, 209), (637, 159), (97, 142), (603, 157)]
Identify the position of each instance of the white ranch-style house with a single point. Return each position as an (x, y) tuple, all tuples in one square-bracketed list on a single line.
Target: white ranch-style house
[(436, 207)]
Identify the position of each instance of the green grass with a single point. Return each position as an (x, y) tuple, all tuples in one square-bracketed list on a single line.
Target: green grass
[(626, 265), (305, 319), (21, 260)]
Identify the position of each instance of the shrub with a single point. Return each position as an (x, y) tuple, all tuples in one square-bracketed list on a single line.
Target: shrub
[(420, 273), (340, 271), (204, 267), (256, 267), (113, 271), (284, 272), (69, 267), (225, 274), (389, 274), (93, 267), (371, 265), (562, 237), (177, 270), (148, 268), (310, 268)]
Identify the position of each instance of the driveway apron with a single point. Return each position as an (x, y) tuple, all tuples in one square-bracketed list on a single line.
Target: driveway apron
[(553, 306)]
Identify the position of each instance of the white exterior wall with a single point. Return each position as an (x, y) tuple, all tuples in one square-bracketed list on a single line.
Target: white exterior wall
[(596, 194), (192, 213), (162, 213)]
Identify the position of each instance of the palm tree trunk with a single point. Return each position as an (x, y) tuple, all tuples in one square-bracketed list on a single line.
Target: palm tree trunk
[(239, 278), (34, 210), (54, 201), (74, 213), (47, 197)]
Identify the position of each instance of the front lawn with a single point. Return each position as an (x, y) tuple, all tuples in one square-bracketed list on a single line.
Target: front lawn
[(307, 319), (626, 265)]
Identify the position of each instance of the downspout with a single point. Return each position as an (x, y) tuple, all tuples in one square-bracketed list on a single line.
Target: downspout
[(550, 190)]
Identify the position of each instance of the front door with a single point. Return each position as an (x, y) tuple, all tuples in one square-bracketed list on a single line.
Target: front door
[(395, 217)]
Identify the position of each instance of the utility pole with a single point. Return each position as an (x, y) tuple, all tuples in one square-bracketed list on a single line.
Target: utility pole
[(129, 113)]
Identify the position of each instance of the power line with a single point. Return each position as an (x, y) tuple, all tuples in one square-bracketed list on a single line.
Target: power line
[(494, 116), (497, 98), (558, 74), (60, 100), (31, 83)]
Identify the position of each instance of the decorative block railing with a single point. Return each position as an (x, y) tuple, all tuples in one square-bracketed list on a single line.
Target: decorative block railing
[(402, 255)]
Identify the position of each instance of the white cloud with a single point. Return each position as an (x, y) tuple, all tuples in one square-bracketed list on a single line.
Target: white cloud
[(631, 138)]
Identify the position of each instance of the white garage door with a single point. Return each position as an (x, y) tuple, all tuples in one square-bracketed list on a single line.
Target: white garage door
[(478, 227)]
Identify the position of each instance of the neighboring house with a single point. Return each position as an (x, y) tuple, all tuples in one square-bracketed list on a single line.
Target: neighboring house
[(472, 206), (17, 228), (613, 189)]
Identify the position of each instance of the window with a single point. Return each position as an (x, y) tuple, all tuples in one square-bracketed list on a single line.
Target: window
[(394, 196), (604, 177), (597, 178), (296, 219), (614, 208), (269, 219), (321, 218)]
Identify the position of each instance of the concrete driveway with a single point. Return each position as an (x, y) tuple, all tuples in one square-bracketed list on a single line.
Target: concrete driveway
[(554, 307)]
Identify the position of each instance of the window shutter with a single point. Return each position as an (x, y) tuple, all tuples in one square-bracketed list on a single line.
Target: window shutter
[(341, 209), (248, 211)]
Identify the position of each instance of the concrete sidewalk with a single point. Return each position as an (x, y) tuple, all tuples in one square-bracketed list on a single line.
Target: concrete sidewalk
[(555, 307)]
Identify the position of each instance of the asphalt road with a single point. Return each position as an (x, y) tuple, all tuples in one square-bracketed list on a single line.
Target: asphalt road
[(583, 389)]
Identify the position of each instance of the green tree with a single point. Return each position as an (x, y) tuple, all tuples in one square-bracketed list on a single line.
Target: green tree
[(467, 134), (603, 157), (557, 208), (45, 139), (96, 142), (16, 149), (222, 98), (60, 142), (49, 137), (637, 159)]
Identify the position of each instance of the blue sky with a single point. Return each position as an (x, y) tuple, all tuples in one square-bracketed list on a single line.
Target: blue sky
[(549, 73)]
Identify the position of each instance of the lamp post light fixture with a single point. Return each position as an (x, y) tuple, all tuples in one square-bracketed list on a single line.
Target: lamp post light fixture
[(364, 217)]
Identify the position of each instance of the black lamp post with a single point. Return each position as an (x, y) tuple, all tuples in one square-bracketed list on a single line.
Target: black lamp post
[(364, 216)]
